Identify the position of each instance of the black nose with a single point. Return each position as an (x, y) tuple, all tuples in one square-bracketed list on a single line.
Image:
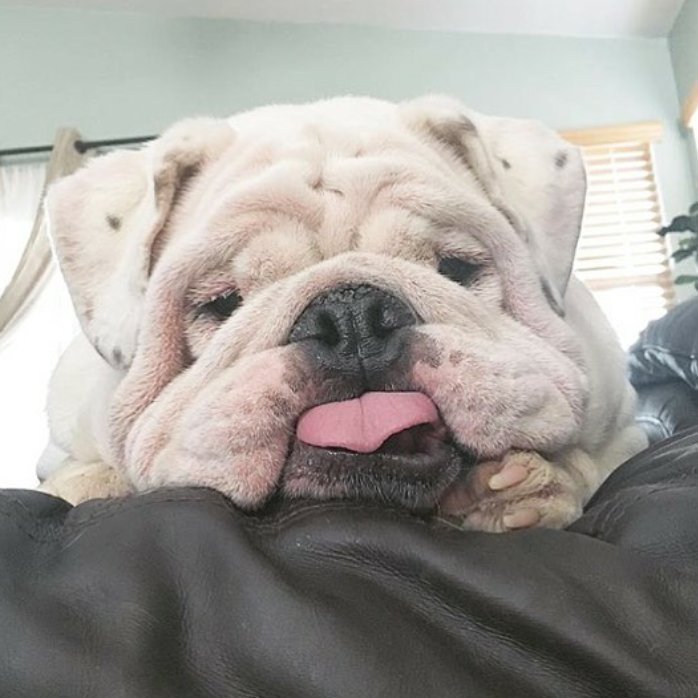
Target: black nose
[(354, 329)]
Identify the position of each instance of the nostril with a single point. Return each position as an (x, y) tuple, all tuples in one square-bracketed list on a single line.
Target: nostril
[(381, 321), (387, 315), (374, 320), (328, 332), (346, 318)]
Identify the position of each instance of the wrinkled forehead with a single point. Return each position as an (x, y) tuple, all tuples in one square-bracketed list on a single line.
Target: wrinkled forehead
[(318, 180)]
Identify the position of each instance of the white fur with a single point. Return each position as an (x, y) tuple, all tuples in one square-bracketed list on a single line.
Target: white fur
[(286, 202)]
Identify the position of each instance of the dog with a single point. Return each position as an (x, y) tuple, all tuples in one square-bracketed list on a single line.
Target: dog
[(348, 299)]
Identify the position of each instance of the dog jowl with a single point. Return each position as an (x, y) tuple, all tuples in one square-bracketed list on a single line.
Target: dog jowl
[(345, 299)]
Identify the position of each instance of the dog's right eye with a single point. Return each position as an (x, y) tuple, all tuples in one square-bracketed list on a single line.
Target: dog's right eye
[(458, 270), (223, 306)]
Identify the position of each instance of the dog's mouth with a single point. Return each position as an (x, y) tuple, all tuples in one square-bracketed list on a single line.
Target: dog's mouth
[(387, 447)]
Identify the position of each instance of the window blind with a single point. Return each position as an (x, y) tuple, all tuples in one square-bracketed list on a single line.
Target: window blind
[(620, 257)]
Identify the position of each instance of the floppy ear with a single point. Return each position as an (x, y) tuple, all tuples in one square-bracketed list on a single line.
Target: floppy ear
[(104, 219), (526, 169)]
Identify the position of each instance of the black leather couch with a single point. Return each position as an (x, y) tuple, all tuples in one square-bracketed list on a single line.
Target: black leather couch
[(178, 594), (663, 367)]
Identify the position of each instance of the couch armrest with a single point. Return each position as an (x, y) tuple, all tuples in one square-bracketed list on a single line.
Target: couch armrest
[(667, 349), (666, 408)]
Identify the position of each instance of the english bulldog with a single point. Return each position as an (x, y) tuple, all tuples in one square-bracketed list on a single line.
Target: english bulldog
[(348, 299)]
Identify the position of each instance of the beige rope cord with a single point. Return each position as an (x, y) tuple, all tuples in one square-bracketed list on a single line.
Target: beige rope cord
[(35, 262)]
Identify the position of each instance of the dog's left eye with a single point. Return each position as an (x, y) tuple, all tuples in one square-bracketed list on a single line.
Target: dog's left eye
[(224, 306), (458, 270)]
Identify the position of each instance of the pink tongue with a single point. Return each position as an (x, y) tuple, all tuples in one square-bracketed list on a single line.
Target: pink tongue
[(364, 423)]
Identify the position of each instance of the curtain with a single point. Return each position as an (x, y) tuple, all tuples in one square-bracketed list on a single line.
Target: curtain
[(21, 186), (37, 321), (17, 201)]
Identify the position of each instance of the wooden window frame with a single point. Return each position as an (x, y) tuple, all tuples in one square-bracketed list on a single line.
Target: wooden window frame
[(690, 107), (651, 131), (631, 137)]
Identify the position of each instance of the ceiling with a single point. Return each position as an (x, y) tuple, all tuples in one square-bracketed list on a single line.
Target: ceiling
[(597, 18)]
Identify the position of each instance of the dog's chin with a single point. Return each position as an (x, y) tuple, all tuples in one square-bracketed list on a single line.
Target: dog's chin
[(412, 470)]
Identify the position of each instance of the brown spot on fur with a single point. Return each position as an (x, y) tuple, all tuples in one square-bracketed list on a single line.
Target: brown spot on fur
[(162, 182), (279, 405), (505, 164), (173, 175), (455, 357), (461, 137), (561, 159), (451, 132), (114, 222), (296, 384), (426, 350), (168, 184), (117, 356), (466, 124), (188, 172), (296, 375)]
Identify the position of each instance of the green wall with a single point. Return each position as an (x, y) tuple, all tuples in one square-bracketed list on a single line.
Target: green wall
[(118, 74), (683, 45)]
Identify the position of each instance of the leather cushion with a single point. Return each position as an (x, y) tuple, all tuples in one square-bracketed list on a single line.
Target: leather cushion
[(177, 593), (667, 348)]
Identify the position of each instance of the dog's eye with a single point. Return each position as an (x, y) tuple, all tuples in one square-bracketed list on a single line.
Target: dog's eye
[(224, 306), (458, 270)]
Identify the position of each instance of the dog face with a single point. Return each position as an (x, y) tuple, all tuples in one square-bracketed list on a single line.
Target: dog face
[(344, 299)]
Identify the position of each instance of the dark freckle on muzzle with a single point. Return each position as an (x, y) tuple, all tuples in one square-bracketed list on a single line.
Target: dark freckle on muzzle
[(278, 405), (427, 350), (455, 357), (297, 374)]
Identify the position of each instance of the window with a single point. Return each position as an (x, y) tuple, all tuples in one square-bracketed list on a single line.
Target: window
[(620, 257), (27, 360), (30, 348)]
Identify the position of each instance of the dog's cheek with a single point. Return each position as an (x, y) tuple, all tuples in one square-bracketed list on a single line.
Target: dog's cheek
[(466, 393), (235, 435), (492, 396)]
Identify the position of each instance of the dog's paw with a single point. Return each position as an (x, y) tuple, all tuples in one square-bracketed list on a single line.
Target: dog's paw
[(522, 490), (78, 482)]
